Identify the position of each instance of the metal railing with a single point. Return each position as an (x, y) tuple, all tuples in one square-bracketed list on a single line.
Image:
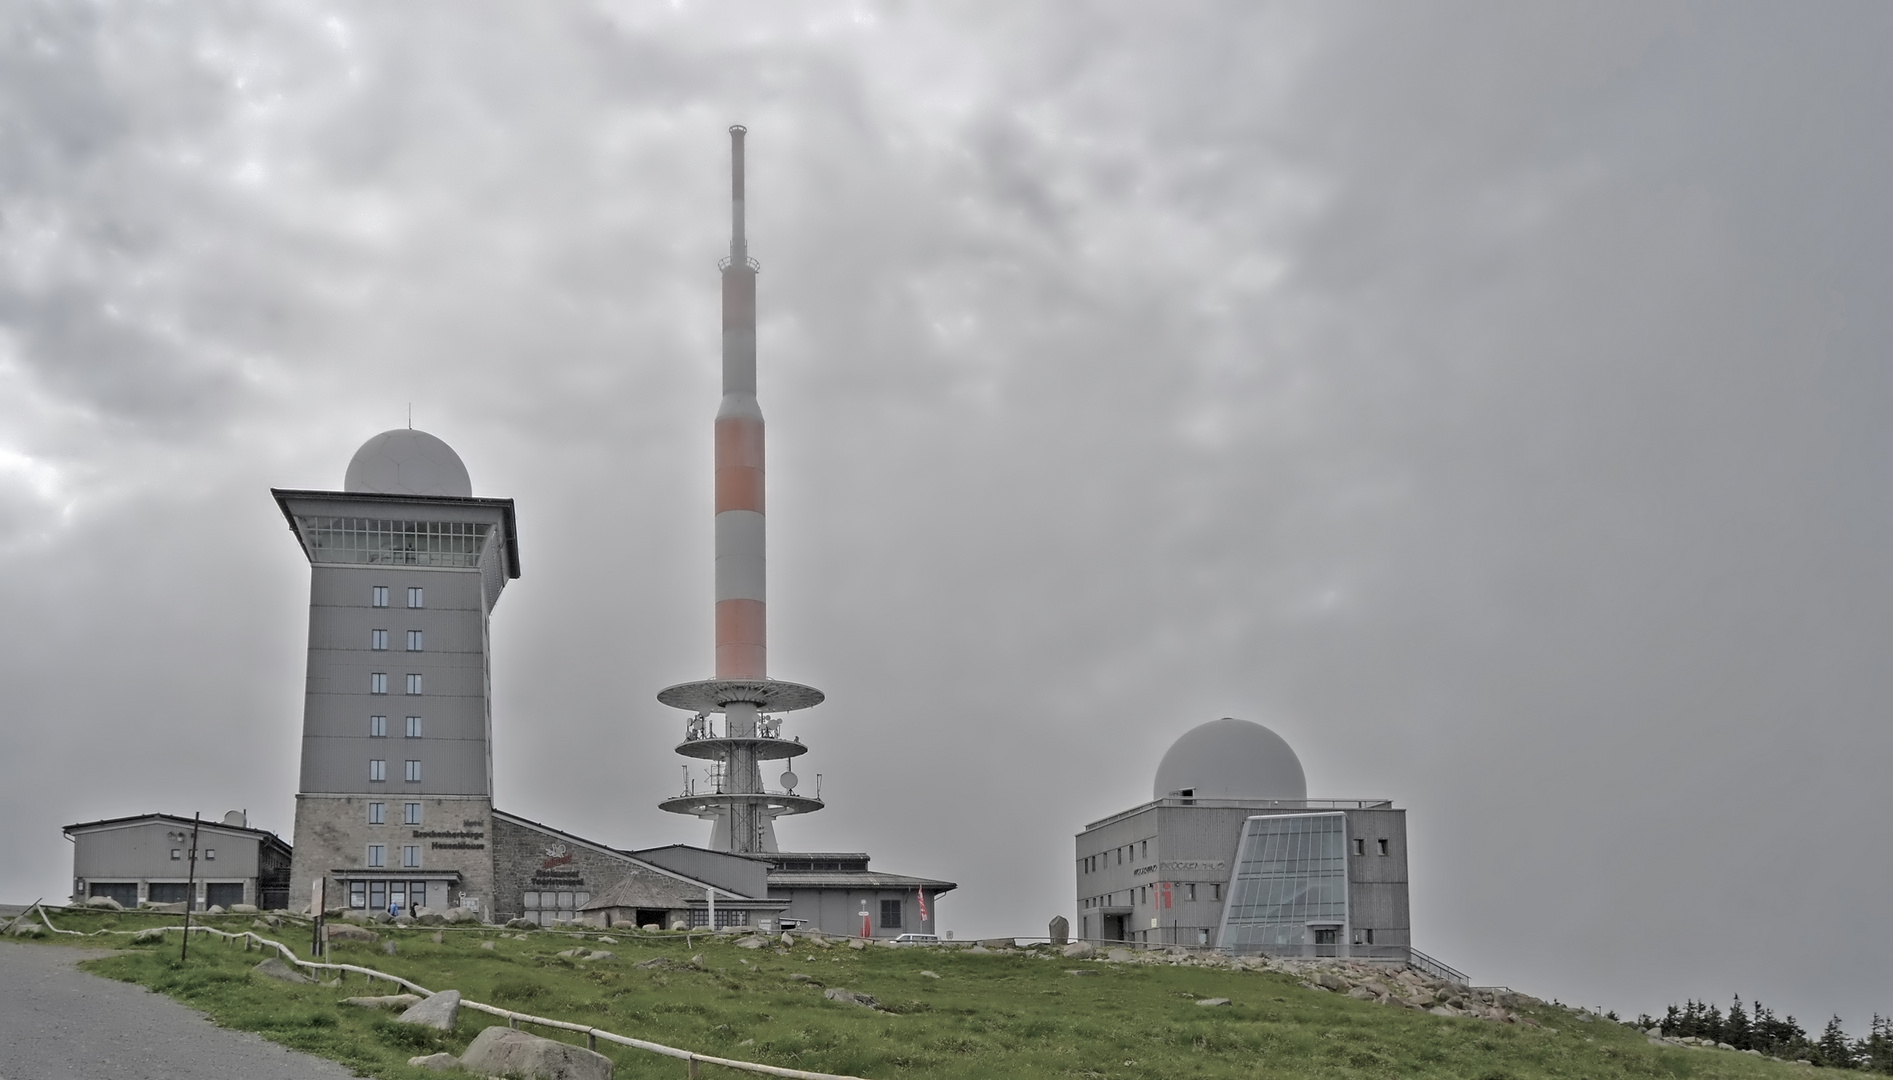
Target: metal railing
[(1437, 969)]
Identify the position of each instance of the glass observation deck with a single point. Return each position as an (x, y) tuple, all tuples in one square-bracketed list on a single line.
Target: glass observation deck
[(378, 542)]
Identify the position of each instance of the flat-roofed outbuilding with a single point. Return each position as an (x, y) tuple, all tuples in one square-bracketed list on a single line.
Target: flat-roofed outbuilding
[(145, 858)]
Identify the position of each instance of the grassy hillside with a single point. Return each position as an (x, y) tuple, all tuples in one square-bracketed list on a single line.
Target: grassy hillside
[(996, 1015)]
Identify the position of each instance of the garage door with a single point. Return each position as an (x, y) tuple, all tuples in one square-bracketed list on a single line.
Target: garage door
[(125, 892), (223, 894)]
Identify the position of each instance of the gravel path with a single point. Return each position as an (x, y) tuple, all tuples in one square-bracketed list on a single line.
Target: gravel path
[(59, 1023)]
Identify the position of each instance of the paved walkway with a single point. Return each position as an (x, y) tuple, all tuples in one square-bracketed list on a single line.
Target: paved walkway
[(59, 1023)]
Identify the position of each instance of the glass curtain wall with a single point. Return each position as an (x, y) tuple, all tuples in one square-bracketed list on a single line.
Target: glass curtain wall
[(1288, 894)]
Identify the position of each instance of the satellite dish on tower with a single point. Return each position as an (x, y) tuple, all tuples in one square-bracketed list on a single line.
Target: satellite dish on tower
[(789, 780)]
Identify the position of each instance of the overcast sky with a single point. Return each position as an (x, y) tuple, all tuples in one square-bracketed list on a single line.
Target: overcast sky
[(1492, 399)]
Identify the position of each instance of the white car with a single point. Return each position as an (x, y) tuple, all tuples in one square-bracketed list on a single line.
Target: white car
[(916, 939)]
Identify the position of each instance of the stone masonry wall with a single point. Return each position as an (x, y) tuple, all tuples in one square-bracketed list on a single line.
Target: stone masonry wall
[(332, 831)]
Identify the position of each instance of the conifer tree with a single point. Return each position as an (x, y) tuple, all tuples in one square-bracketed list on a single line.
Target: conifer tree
[(1834, 1051), (1735, 1030)]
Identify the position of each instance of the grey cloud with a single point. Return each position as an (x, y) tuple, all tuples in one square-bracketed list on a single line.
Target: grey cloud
[(1490, 401)]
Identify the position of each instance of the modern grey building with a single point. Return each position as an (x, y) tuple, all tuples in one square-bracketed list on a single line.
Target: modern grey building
[(406, 565), (1231, 853), (147, 859)]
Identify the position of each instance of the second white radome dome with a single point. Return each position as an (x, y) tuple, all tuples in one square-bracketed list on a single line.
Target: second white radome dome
[(1231, 759)]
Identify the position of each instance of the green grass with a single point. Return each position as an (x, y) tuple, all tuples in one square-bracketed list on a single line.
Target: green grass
[(986, 1016)]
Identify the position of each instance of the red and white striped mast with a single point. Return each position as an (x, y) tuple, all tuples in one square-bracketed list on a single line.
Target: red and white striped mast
[(733, 795)]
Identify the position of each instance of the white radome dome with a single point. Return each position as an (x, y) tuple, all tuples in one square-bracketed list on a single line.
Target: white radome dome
[(407, 462), (1231, 759)]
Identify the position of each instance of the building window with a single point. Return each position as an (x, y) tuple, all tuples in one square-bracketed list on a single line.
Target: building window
[(890, 914), (1202, 937), (377, 813), (1143, 851), (1383, 845), (414, 771), (414, 684), (411, 813), (177, 853), (358, 894), (377, 769), (414, 596), (411, 855), (210, 853), (414, 727), (1120, 856), (380, 596), (1363, 937), (378, 683), (377, 727), (414, 641), (1215, 892), (1189, 891), (378, 640), (1360, 846), (543, 907), (377, 855)]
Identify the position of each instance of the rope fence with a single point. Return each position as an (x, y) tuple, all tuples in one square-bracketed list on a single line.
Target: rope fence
[(593, 1035)]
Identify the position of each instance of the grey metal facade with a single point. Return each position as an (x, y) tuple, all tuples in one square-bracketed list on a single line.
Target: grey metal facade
[(124, 858), (1161, 873)]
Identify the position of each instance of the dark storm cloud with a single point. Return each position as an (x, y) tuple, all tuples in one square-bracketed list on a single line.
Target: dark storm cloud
[(1493, 401)]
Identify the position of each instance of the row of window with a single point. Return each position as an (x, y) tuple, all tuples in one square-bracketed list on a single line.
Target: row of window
[(208, 853), (410, 856), (1185, 890), (378, 727), (379, 598), (390, 895), (378, 813), (378, 683), (1092, 863), (378, 770), (378, 641), (1141, 850)]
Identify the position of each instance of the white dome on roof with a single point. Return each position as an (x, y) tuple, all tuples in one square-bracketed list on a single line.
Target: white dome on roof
[(1231, 759), (407, 462)]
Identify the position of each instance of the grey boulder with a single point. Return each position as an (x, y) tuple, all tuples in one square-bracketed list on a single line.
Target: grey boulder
[(438, 1012), (436, 1062), (849, 997), (502, 1051), (1213, 1001), (276, 969), (1081, 950)]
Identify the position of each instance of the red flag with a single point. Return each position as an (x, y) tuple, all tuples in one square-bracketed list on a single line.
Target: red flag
[(922, 893)]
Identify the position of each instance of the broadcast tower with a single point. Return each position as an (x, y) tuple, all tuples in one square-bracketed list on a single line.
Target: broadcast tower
[(732, 794)]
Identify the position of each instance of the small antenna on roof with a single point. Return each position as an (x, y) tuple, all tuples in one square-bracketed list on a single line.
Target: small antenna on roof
[(410, 416)]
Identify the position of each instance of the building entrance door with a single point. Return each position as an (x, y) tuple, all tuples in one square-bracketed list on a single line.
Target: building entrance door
[(1327, 940), (1114, 928)]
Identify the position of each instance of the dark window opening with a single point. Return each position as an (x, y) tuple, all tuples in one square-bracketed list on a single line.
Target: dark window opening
[(1383, 845), (890, 914), (1360, 846)]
